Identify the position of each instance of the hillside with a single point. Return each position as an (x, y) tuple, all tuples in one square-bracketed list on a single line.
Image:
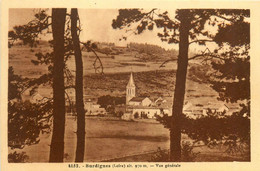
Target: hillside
[(142, 51), (150, 83), (150, 79)]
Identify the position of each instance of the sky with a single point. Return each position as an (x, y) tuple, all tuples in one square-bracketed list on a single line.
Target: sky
[(96, 26)]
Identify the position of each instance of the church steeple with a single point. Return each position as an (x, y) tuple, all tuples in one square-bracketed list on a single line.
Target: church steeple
[(130, 89), (131, 81)]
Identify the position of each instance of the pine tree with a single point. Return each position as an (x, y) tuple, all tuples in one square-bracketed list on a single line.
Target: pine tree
[(57, 141), (79, 88), (186, 28)]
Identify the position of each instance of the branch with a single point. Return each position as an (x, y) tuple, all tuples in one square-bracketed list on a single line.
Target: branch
[(228, 19), (202, 40), (196, 56), (206, 55), (68, 97), (145, 16), (68, 87), (165, 62), (68, 76), (94, 64), (29, 32), (89, 48), (150, 12)]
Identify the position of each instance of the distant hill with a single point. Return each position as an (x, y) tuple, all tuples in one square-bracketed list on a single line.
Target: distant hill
[(143, 51), (152, 52)]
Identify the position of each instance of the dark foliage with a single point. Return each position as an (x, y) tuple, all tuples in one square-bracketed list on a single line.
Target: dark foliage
[(127, 16), (233, 73), (213, 129), (29, 33), (187, 154), (17, 157), (198, 17), (232, 76), (109, 102), (237, 34), (160, 156), (26, 121), (15, 84)]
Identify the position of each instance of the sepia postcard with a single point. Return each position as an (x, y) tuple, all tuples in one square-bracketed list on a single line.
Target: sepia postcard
[(142, 85)]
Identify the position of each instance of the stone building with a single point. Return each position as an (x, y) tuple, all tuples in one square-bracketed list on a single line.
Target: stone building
[(145, 107)]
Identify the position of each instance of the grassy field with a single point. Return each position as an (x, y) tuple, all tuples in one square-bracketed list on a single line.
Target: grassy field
[(120, 141), (20, 58)]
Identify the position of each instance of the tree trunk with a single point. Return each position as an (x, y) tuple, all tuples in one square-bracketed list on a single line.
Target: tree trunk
[(179, 92), (57, 142), (79, 88)]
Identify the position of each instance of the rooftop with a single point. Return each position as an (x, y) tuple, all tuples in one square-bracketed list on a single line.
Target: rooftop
[(137, 99)]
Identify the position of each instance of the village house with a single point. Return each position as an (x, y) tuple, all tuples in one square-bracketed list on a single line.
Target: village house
[(36, 97), (198, 110), (90, 105), (140, 101), (91, 108)]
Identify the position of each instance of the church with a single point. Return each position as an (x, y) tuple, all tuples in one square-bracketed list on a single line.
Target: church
[(144, 107), (147, 107)]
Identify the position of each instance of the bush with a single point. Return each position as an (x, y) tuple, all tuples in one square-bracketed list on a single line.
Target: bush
[(164, 155), (214, 129), (187, 152), (160, 156), (17, 157)]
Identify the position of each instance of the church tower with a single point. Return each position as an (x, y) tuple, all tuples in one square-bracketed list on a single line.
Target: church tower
[(130, 89)]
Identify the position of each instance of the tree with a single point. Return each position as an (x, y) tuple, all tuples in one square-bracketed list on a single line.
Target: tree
[(109, 102), (188, 27), (79, 87), (233, 76), (231, 79), (25, 119), (233, 73), (28, 34), (57, 142), (65, 43)]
